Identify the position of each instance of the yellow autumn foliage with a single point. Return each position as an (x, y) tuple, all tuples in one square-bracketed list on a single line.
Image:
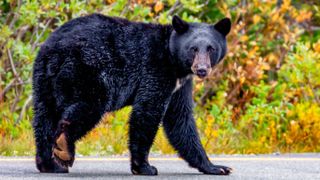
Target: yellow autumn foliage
[(264, 96)]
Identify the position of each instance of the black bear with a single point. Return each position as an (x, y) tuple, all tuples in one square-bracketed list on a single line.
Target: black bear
[(97, 64)]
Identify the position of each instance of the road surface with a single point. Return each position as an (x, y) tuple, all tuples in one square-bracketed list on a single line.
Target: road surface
[(287, 166)]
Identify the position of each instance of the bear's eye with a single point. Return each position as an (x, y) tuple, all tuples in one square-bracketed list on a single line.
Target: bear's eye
[(194, 49), (211, 49)]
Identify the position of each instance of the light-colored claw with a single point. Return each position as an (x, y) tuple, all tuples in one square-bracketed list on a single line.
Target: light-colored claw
[(222, 170)]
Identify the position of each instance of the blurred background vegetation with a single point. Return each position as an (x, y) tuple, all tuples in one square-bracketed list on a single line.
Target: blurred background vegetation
[(263, 98)]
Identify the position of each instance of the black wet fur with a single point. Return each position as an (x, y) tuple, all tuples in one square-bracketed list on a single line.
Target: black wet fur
[(97, 64)]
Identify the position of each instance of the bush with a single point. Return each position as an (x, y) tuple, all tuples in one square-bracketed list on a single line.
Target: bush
[(264, 97)]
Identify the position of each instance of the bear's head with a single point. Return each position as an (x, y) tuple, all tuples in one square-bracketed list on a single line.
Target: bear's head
[(198, 47)]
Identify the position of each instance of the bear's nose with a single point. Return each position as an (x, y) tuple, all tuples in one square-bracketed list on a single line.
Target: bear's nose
[(201, 73)]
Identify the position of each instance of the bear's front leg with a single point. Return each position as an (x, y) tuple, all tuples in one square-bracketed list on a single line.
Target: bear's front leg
[(180, 128), (144, 123)]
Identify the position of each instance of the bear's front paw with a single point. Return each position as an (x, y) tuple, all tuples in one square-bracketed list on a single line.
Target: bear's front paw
[(145, 169), (62, 153), (216, 170)]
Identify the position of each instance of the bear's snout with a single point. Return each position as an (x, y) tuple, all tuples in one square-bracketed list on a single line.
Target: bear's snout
[(201, 73), (201, 65)]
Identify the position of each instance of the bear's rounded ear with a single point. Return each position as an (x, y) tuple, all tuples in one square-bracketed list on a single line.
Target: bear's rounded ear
[(179, 25), (223, 26)]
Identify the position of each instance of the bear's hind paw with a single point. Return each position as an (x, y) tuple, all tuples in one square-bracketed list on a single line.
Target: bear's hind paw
[(50, 166), (61, 152)]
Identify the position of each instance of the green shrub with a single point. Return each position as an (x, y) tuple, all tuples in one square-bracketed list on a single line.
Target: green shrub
[(264, 97)]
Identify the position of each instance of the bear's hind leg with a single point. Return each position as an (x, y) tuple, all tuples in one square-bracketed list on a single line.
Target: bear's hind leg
[(76, 121)]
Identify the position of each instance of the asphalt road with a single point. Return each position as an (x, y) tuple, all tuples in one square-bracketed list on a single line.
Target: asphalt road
[(288, 166)]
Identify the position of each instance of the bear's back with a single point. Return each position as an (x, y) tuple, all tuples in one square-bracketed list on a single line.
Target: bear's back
[(85, 28), (101, 40)]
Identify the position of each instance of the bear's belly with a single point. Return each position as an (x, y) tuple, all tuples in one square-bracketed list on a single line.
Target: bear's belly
[(119, 91)]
